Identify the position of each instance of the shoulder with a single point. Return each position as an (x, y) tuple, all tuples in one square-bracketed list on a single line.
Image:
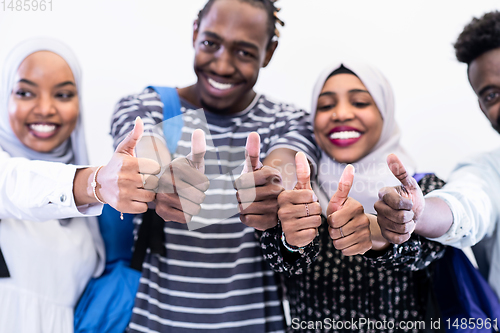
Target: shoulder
[(148, 97), (279, 109)]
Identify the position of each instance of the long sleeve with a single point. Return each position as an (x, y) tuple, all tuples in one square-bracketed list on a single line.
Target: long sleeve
[(473, 195), (38, 190), (282, 262)]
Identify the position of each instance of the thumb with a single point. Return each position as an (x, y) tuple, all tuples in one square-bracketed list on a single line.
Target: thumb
[(342, 193), (127, 146), (252, 153), (303, 172), (399, 171), (198, 149)]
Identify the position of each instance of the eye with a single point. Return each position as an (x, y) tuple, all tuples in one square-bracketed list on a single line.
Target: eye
[(360, 105), (245, 54), (208, 44), (65, 95), (24, 94), (326, 107), (490, 97)]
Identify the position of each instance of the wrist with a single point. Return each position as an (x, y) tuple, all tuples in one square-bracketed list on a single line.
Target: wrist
[(95, 186), (289, 247), (82, 191)]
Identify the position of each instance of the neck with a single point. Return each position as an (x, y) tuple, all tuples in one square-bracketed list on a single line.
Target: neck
[(190, 94)]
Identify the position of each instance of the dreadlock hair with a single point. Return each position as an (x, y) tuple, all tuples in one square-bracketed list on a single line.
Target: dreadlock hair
[(267, 5), (479, 36)]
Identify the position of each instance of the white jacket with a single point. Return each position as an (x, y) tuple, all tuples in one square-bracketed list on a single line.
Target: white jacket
[(473, 195), (39, 191)]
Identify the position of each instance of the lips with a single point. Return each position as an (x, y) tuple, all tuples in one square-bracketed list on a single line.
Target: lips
[(220, 88), (344, 136), (219, 85), (43, 130)]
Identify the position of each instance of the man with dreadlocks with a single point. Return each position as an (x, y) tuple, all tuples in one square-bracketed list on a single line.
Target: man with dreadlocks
[(214, 278), (467, 209)]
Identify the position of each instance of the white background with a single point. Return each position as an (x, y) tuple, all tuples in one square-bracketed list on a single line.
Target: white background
[(124, 46)]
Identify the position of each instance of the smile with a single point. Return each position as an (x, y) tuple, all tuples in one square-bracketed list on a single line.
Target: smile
[(43, 130), (220, 85), (343, 136)]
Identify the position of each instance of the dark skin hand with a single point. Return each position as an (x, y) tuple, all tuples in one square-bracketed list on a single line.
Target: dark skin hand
[(299, 209), (182, 187), (257, 189), (348, 225), (402, 210)]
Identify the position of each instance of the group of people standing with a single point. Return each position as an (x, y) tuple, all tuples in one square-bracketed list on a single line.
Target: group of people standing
[(321, 211)]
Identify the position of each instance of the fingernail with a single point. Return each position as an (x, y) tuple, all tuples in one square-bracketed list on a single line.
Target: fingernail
[(315, 198)]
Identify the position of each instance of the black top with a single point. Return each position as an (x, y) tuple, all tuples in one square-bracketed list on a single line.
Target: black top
[(324, 285)]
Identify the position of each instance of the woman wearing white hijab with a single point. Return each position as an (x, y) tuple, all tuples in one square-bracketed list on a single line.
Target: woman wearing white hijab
[(47, 262), (328, 273)]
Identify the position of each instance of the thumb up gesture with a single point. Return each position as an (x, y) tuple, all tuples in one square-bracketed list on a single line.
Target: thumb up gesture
[(348, 225), (126, 182), (183, 185), (299, 210), (399, 207), (257, 188)]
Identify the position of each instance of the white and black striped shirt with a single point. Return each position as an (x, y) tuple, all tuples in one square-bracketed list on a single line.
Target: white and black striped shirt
[(213, 278)]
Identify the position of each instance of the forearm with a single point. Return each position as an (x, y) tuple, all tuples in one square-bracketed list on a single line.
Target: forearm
[(436, 219)]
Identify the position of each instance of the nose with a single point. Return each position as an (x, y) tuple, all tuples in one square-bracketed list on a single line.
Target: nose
[(45, 106), (343, 112), (223, 64)]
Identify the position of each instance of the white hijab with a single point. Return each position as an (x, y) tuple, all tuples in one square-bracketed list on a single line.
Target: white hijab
[(371, 172), (74, 149)]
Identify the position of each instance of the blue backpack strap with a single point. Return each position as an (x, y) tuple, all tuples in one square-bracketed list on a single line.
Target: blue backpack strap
[(172, 129)]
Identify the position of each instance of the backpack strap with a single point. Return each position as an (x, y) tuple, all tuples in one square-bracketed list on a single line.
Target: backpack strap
[(172, 129)]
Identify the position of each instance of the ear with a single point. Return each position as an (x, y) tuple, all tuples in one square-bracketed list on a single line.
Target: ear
[(269, 52), (195, 31)]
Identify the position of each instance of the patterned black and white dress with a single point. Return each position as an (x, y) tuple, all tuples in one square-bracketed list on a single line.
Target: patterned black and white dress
[(322, 285)]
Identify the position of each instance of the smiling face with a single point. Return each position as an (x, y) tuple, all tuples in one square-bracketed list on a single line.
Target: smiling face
[(43, 106), (347, 124), (484, 77), (231, 45)]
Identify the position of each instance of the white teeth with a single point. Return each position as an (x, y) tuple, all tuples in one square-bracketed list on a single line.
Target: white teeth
[(43, 128), (345, 135), (219, 85)]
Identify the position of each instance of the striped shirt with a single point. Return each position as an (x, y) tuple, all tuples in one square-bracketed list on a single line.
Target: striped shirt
[(213, 278)]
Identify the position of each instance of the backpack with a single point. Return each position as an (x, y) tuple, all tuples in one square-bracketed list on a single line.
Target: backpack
[(466, 300)]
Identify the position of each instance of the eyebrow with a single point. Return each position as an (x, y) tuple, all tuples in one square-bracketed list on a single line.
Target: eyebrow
[(358, 90), (331, 93), (62, 84), (31, 83), (488, 87), (239, 43)]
